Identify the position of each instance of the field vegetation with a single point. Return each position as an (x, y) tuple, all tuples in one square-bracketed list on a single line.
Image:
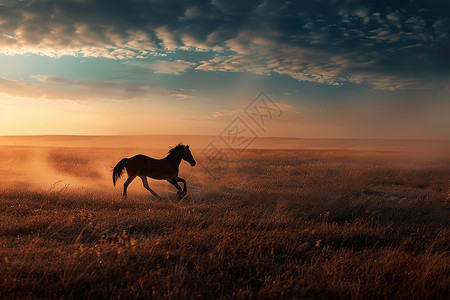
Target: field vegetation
[(276, 224)]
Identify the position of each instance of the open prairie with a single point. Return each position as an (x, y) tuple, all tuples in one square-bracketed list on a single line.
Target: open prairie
[(322, 220)]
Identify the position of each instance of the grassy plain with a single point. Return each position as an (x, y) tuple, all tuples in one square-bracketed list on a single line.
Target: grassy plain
[(278, 224)]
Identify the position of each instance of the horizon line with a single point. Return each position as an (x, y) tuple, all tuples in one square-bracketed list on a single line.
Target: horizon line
[(211, 135)]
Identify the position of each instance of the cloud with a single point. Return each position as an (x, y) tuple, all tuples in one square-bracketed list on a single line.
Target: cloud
[(225, 114), (394, 16), (234, 64), (175, 67), (330, 42), (60, 88), (229, 114)]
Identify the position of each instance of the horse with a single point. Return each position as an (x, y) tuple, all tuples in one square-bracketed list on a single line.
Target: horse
[(161, 169)]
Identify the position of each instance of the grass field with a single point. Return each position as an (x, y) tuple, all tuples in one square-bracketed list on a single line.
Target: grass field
[(278, 224)]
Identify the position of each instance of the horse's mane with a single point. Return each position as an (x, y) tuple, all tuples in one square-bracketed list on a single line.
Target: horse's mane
[(176, 148)]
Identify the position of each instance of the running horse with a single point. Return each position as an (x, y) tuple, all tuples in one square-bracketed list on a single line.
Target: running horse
[(161, 169)]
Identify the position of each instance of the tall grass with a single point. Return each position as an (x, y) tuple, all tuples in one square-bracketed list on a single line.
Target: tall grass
[(279, 224)]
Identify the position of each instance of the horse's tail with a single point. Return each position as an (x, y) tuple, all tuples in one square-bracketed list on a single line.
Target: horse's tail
[(118, 169)]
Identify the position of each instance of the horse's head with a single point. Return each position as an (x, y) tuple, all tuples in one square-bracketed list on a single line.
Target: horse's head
[(183, 151), (187, 156)]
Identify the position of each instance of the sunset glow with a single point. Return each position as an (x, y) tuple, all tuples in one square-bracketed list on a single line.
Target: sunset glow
[(345, 69)]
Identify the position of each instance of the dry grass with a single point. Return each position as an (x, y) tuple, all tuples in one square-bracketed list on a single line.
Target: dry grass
[(280, 224)]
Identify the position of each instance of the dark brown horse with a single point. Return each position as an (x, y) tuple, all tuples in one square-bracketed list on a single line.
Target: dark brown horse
[(162, 169)]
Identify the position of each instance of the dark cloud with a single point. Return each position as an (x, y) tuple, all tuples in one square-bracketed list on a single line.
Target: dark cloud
[(385, 44)]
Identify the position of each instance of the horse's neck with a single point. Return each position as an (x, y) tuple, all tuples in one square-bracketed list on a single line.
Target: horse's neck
[(175, 158)]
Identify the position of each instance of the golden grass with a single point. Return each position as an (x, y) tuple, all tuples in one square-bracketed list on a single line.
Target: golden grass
[(279, 224)]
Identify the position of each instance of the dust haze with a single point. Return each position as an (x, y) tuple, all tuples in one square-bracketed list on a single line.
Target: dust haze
[(86, 162)]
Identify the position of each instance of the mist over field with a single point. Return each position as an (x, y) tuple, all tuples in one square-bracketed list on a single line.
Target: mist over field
[(320, 218), (87, 161)]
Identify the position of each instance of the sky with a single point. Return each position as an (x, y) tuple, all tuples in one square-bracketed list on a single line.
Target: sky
[(326, 69)]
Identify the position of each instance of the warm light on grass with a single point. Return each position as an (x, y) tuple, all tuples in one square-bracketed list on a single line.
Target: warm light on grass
[(279, 224)]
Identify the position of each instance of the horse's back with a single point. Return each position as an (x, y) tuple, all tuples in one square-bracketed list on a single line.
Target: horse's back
[(141, 164), (154, 168), (142, 159)]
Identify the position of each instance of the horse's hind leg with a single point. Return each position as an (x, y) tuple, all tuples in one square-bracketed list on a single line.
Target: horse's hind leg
[(126, 184), (179, 179), (145, 182)]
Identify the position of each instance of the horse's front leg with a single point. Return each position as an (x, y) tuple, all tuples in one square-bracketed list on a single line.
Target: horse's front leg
[(174, 182), (179, 179)]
